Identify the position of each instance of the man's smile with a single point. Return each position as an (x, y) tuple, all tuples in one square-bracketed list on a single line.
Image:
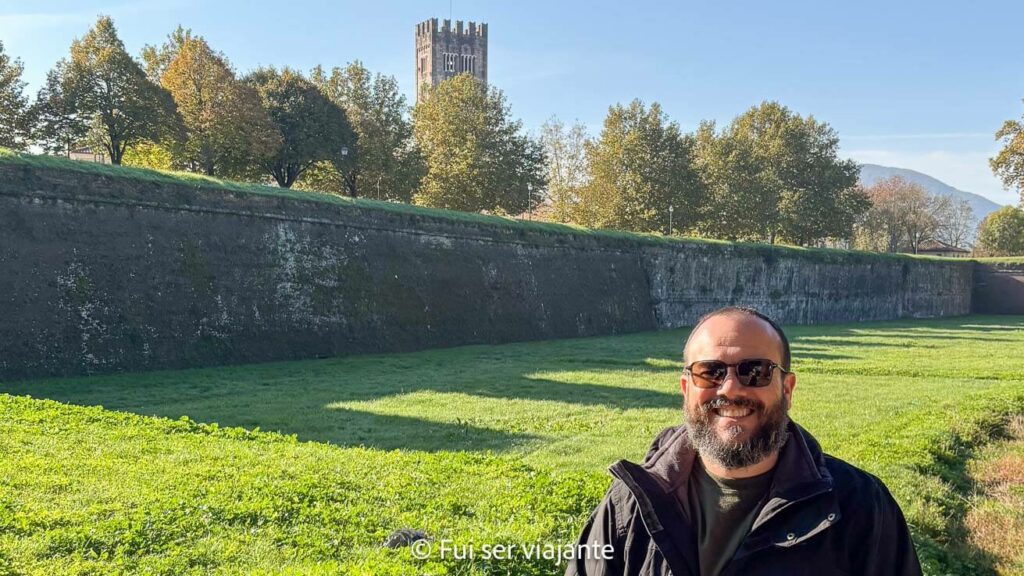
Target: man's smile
[(733, 412)]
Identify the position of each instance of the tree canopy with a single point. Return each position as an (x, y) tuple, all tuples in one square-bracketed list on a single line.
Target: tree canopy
[(902, 216), (15, 124), (106, 84), (566, 152), (477, 156), (775, 175), (638, 168), (226, 128), (388, 165), (312, 128), (1001, 233), (1008, 164), (60, 123)]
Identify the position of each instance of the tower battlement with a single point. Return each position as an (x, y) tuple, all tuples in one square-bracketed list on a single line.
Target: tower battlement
[(444, 50), (468, 29)]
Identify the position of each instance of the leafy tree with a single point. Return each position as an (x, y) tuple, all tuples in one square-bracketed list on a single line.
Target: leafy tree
[(389, 165), (60, 123), (156, 59), (881, 228), (111, 88), (148, 154), (1008, 164), (1001, 233), (14, 109), (739, 201), (565, 149), (902, 216), (312, 128), (226, 127), (775, 175), (477, 156), (638, 168)]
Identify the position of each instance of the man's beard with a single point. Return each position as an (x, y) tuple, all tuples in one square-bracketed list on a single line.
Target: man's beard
[(771, 433)]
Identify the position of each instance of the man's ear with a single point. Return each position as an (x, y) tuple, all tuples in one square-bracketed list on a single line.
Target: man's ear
[(682, 383), (788, 384)]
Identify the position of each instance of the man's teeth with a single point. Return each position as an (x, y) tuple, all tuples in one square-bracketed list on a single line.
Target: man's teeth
[(734, 412)]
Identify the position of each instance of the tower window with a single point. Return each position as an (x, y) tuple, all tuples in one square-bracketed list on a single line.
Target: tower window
[(469, 63), (450, 61)]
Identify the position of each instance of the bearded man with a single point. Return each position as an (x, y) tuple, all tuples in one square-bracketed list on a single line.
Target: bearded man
[(739, 488)]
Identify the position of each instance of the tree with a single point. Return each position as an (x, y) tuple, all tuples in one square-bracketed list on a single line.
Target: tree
[(312, 128), (565, 149), (388, 165), (15, 120), (955, 223), (226, 129), (1008, 164), (1001, 233), (156, 59), (60, 123), (881, 229), (638, 168), (738, 200), (477, 156), (921, 217), (111, 88), (902, 216), (148, 154), (775, 175)]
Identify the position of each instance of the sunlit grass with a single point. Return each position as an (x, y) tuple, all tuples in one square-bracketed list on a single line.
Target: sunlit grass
[(479, 442)]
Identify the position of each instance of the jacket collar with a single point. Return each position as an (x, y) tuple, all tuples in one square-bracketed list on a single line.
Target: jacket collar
[(800, 475), (799, 470)]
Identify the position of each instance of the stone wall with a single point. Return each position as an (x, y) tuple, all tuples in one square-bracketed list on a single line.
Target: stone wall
[(998, 289), (102, 274)]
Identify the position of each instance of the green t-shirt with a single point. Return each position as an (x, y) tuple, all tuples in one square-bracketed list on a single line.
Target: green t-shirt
[(722, 510)]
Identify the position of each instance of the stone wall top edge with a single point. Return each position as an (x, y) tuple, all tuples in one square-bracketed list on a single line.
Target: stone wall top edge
[(86, 187)]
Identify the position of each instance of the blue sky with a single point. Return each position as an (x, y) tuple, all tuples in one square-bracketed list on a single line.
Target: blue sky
[(920, 85)]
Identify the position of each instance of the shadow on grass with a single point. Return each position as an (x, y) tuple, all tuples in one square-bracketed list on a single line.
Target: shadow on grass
[(314, 399), (389, 432), (953, 549)]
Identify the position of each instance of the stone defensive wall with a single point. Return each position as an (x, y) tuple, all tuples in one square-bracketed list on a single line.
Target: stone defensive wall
[(105, 269), (999, 287)]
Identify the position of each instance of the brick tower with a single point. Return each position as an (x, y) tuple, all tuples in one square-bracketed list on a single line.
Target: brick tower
[(443, 52)]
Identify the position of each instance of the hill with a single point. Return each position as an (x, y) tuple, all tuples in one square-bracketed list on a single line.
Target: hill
[(871, 173)]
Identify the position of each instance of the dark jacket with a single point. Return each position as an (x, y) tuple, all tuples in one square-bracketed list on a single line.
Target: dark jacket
[(822, 516)]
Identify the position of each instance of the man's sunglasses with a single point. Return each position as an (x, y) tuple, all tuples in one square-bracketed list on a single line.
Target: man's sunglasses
[(755, 373)]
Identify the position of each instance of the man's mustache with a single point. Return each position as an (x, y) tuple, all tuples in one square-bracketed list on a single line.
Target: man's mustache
[(722, 401)]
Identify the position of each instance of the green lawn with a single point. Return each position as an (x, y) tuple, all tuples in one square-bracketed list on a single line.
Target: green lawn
[(499, 444)]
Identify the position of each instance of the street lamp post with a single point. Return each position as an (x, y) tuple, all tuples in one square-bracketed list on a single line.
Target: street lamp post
[(344, 155), (671, 208)]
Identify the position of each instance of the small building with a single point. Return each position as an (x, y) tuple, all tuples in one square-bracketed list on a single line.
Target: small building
[(939, 248), (87, 154)]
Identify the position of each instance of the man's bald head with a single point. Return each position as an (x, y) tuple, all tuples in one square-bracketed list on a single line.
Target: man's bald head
[(742, 311)]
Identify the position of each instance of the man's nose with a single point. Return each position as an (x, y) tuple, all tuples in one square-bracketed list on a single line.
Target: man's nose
[(731, 385)]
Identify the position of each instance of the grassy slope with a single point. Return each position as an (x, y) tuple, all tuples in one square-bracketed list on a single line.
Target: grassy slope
[(996, 514), (904, 400), (42, 162)]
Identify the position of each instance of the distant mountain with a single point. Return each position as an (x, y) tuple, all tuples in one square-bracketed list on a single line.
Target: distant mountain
[(871, 173)]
